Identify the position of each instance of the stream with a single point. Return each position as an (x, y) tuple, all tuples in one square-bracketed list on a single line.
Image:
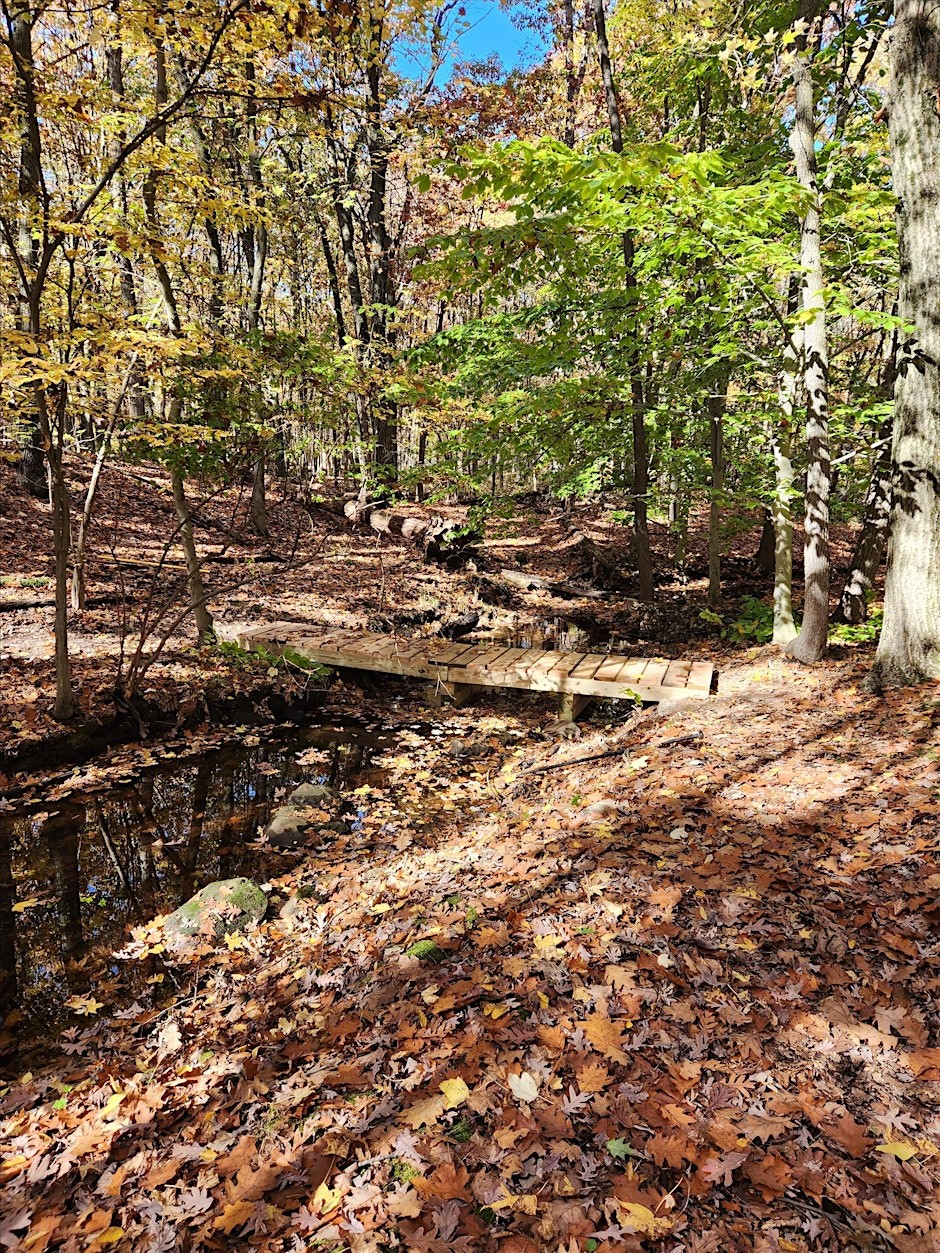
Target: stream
[(74, 878)]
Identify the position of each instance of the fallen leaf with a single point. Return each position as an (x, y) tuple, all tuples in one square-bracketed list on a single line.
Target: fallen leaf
[(455, 1092), (606, 1036), (424, 1112), (899, 1149)]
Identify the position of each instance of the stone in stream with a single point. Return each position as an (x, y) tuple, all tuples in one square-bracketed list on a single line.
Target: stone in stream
[(221, 907), (287, 828), (310, 794), (290, 825)]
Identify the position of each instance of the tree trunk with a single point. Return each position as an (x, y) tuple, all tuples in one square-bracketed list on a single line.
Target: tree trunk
[(717, 403), (811, 642), (9, 983), (870, 545), (909, 648), (764, 556), (641, 538), (258, 509), (31, 470), (781, 444), (197, 588)]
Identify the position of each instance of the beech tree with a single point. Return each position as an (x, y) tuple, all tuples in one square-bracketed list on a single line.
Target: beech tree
[(909, 648)]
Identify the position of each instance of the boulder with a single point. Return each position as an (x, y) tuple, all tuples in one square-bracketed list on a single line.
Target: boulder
[(287, 828), (310, 794), (221, 907)]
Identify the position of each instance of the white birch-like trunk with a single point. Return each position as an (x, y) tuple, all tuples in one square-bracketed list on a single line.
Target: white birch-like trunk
[(909, 648)]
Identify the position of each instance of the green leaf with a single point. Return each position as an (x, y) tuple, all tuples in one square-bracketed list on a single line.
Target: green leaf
[(620, 1149)]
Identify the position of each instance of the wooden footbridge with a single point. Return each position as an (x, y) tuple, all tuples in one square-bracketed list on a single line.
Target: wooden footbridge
[(458, 670)]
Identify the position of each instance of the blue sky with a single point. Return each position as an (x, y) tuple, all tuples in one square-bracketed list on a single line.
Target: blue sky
[(489, 30)]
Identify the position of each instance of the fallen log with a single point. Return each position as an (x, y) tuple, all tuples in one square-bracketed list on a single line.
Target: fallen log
[(535, 582), (441, 540)]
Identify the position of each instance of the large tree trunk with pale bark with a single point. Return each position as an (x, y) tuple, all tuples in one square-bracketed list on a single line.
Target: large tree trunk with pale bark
[(811, 642), (909, 648)]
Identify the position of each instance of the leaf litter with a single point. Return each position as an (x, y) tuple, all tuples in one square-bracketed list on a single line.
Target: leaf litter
[(704, 1019)]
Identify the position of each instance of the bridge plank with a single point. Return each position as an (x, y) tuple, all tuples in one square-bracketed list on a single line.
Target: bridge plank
[(488, 665)]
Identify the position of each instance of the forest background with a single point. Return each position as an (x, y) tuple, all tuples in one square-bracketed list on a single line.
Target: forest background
[(323, 241)]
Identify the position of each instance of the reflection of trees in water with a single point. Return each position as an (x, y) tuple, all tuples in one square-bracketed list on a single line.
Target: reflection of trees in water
[(62, 833), (137, 851), (8, 979)]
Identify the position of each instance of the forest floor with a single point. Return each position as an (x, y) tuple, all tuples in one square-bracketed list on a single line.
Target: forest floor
[(680, 997)]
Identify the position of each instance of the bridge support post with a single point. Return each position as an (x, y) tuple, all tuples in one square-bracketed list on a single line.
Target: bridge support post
[(570, 706), (442, 692)]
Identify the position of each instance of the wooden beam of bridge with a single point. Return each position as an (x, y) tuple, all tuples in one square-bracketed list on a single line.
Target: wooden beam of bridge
[(467, 666)]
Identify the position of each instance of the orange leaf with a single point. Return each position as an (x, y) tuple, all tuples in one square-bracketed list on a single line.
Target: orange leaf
[(235, 1215), (925, 1063), (605, 1036)]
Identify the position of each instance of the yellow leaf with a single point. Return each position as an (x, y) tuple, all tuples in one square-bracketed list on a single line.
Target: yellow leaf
[(642, 1220), (111, 1236), (899, 1149), (326, 1199), (547, 946), (30, 904), (523, 1204), (455, 1092), (112, 1105), (84, 1004), (234, 940), (494, 1011)]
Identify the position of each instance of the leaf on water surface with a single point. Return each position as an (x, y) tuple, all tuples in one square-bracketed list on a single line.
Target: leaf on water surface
[(85, 1005)]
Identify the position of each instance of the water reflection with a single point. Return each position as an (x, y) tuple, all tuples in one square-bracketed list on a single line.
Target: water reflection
[(87, 870)]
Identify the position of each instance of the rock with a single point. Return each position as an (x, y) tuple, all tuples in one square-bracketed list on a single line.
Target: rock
[(310, 794), (287, 828), (562, 731), (221, 907), (459, 749)]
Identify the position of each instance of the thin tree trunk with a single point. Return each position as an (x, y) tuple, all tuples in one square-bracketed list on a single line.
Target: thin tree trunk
[(571, 89), (717, 403), (9, 982), (909, 648), (641, 540), (764, 555), (81, 542), (258, 509), (197, 588), (31, 470), (811, 642), (870, 545), (128, 280)]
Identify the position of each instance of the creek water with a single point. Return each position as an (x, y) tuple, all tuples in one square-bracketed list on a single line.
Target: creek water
[(89, 868)]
